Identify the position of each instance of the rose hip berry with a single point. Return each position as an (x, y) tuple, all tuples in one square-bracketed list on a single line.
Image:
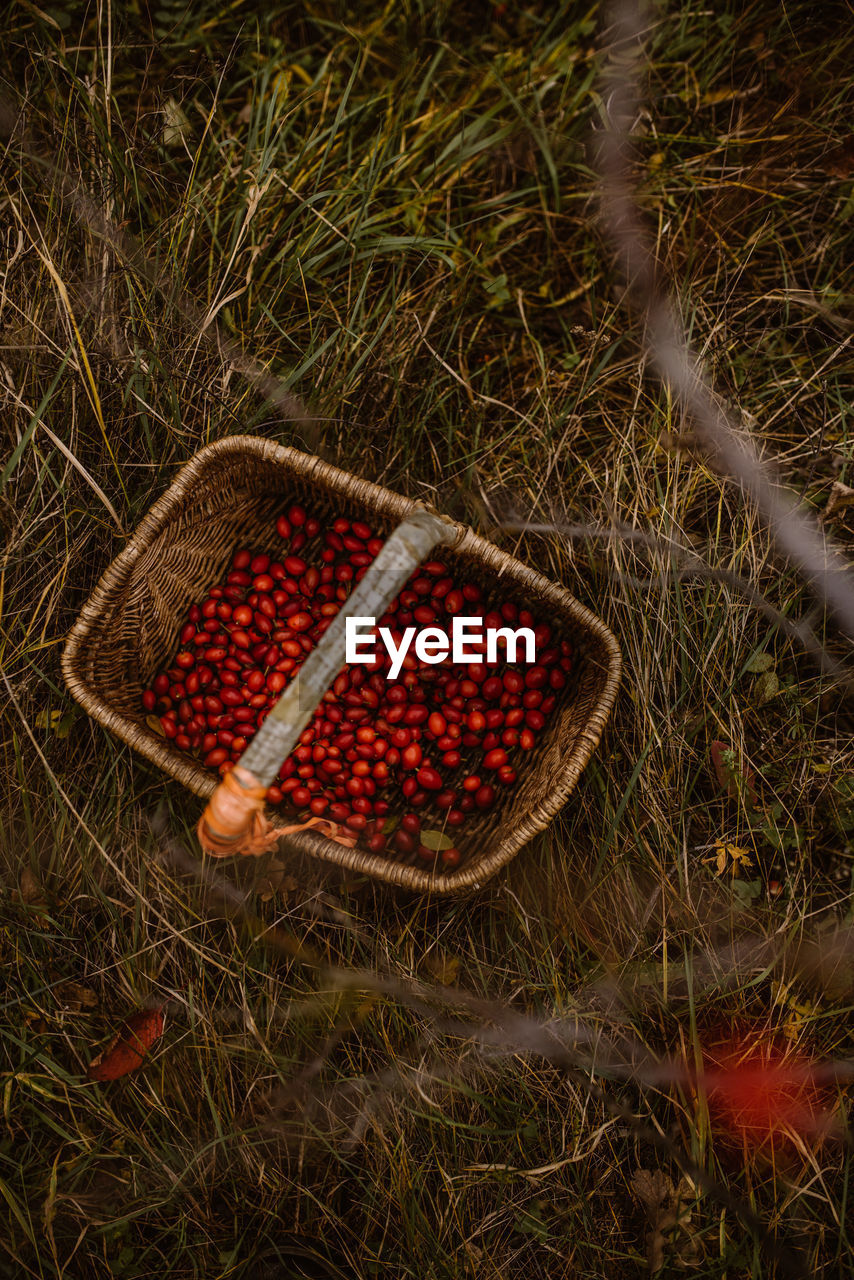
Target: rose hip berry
[(425, 741)]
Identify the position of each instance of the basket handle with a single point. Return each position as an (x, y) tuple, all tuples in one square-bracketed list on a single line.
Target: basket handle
[(233, 821)]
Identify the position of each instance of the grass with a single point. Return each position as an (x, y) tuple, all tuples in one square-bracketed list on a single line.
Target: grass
[(392, 211)]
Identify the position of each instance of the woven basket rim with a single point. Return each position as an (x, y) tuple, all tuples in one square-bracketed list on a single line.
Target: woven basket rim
[(392, 505)]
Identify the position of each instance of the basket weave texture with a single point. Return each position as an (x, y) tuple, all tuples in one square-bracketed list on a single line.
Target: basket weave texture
[(228, 496)]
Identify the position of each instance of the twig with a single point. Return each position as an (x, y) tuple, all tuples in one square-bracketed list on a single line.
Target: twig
[(671, 355), (796, 630)]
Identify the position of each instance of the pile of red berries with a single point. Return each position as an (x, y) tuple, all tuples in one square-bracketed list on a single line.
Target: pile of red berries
[(442, 738)]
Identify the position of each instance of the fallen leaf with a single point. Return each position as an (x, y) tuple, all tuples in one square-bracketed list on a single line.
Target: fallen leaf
[(669, 1217), (73, 997), (176, 126), (714, 96), (841, 495), (32, 895), (651, 1188), (799, 1013), (766, 687), (57, 721), (840, 161), (275, 880), (729, 855), (436, 840), (32, 892), (760, 662), (127, 1050), (444, 968), (155, 726)]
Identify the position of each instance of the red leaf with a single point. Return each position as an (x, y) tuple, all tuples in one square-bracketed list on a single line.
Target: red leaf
[(127, 1051), (728, 775)]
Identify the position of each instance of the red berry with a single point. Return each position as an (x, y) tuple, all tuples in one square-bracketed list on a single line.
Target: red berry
[(403, 841), (300, 621), (429, 779)]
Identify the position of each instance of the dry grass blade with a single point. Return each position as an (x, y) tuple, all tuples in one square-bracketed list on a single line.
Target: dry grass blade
[(681, 369), (202, 326)]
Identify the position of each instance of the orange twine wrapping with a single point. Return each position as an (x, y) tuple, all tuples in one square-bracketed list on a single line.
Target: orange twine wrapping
[(234, 822)]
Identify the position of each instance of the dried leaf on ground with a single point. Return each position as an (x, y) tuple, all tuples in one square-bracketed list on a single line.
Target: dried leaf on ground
[(729, 855), (127, 1050), (74, 997), (799, 1013), (840, 161), (841, 495), (669, 1217), (32, 895), (444, 968), (275, 880), (57, 721), (31, 889)]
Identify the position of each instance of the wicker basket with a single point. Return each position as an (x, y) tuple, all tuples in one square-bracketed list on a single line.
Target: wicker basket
[(229, 495)]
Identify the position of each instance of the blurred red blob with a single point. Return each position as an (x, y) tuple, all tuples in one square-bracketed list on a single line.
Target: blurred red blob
[(762, 1093)]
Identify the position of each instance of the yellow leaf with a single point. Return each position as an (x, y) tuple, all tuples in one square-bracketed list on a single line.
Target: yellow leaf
[(799, 1012), (729, 855), (444, 968), (719, 95), (57, 721)]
